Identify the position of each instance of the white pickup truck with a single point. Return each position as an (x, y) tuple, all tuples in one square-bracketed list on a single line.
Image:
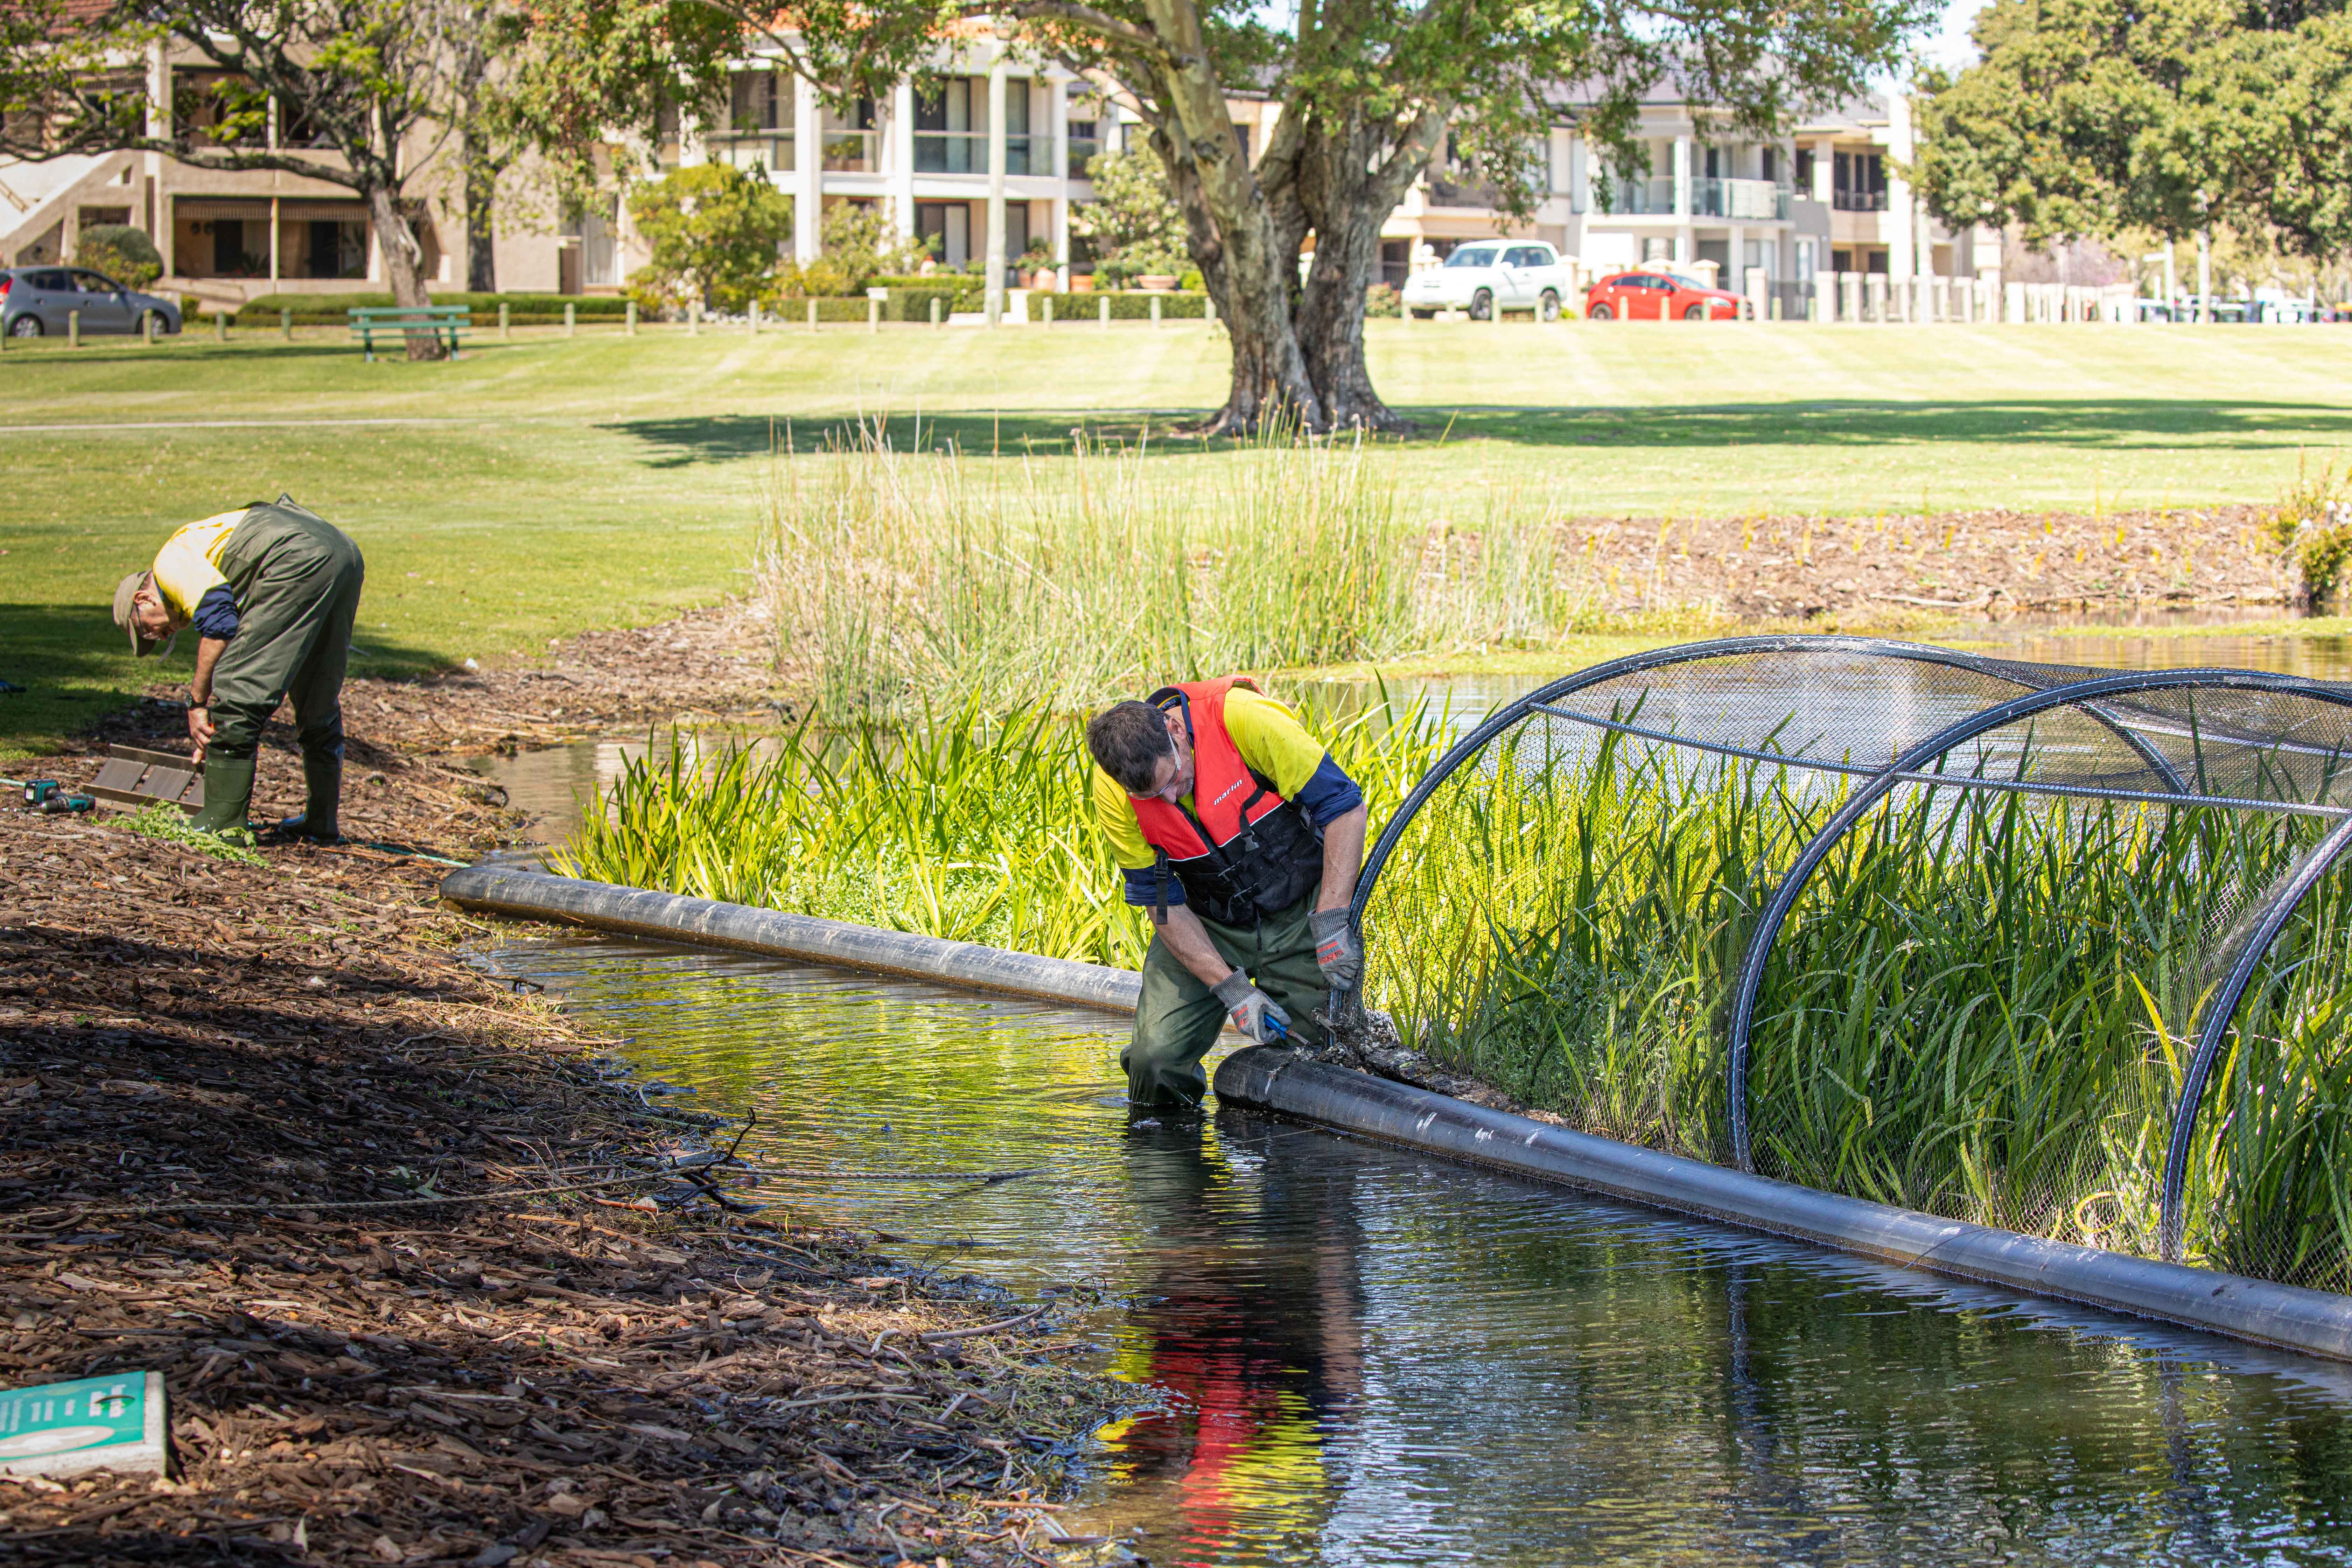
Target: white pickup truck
[(1489, 275)]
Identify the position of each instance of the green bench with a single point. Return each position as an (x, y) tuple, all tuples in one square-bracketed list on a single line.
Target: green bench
[(404, 321)]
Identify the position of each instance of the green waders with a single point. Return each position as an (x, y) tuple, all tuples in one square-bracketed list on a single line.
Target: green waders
[(297, 580), (1177, 1018)]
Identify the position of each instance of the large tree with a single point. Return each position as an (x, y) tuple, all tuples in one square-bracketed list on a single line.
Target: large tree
[(1371, 91), (2093, 118)]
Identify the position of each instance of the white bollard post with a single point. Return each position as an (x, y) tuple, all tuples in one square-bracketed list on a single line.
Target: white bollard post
[(1104, 315)]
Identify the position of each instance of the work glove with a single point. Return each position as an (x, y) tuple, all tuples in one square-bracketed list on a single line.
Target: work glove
[(1257, 1015), (1338, 949)]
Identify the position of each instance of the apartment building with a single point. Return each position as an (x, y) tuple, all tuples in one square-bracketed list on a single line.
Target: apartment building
[(1756, 217), (1770, 212)]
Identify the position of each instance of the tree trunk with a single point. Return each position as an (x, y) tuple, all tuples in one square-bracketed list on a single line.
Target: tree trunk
[(1224, 206), (1352, 172), (400, 254), (481, 225)]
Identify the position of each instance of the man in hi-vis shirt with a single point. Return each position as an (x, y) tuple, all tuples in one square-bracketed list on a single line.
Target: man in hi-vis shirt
[(271, 591)]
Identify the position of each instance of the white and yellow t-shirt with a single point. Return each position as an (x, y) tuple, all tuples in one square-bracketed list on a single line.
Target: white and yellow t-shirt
[(188, 566)]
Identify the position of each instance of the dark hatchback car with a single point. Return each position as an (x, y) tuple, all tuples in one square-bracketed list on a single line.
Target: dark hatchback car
[(34, 301)]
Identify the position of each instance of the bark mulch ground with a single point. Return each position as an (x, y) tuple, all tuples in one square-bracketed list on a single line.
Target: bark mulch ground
[(710, 664), (1989, 563), (252, 1117)]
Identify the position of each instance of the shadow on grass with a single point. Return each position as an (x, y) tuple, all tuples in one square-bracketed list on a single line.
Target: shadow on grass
[(72, 667), (2106, 424)]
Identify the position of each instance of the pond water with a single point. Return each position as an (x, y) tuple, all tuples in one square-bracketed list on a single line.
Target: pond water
[(1367, 1357), (552, 783)]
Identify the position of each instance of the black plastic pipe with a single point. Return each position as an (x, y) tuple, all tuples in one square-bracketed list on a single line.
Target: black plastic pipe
[(2315, 1323)]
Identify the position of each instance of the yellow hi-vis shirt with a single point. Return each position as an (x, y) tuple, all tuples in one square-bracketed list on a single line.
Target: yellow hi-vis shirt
[(1271, 742), (188, 566)]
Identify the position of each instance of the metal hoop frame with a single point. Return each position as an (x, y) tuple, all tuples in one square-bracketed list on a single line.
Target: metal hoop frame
[(2086, 695)]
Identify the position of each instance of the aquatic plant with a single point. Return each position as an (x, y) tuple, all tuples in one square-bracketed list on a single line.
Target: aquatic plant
[(1979, 1007), (903, 582), (968, 828)]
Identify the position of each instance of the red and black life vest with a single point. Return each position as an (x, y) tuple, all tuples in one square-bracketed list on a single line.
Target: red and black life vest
[(1243, 852)]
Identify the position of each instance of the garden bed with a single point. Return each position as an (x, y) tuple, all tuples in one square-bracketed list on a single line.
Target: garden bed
[(230, 1087)]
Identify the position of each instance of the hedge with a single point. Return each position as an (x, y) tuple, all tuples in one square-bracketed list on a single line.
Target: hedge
[(523, 309), (1125, 305)]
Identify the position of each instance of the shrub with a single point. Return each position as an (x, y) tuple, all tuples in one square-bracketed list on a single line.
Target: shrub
[(522, 309), (713, 232), (1379, 299), (1133, 223), (2312, 528), (123, 253)]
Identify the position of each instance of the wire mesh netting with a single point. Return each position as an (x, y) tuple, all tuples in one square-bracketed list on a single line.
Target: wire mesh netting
[(1960, 934)]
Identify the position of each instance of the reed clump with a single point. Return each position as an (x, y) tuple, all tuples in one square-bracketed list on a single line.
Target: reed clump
[(1979, 1008), (928, 580), (970, 829)]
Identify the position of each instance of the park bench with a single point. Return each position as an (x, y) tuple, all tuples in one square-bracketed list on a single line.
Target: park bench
[(403, 321)]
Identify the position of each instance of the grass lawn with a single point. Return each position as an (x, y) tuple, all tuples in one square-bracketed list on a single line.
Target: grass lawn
[(552, 484)]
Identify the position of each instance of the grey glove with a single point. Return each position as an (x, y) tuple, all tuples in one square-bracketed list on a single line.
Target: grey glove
[(1338, 949), (1257, 1015)]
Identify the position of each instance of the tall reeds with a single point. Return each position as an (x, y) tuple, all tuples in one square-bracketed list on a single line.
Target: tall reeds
[(1977, 1008), (970, 828), (907, 582)]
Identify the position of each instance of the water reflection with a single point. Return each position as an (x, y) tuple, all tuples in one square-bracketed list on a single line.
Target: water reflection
[(1370, 1358)]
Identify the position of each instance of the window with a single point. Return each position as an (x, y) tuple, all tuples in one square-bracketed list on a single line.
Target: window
[(53, 282), (219, 109), (1768, 162), (752, 100), (1528, 256), (1858, 182), (1805, 169), (1472, 255), (95, 283)]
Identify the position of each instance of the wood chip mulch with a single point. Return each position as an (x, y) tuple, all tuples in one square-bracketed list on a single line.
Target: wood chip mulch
[(1975, 563), (201, 1061)]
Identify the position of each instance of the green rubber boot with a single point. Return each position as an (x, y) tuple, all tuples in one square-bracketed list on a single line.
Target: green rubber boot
[(322, 798), (228, 792)]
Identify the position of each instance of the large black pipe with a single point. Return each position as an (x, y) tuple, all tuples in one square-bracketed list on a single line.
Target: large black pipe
[(2315, 1323)]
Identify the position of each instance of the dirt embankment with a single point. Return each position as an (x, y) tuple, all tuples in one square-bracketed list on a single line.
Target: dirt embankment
[(1978, 562), (427, 1284)]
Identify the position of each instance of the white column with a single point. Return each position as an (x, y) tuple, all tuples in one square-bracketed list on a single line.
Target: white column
[(1825, 171), (1580, 176), (808, 172), (994, 297), (1682, 173), (902, 158), (1058, 114)]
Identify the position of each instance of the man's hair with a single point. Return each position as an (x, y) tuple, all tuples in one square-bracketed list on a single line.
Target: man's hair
[(1127, 741)]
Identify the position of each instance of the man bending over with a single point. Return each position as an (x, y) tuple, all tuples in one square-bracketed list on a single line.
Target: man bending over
[(271, 591), (1242, 836)]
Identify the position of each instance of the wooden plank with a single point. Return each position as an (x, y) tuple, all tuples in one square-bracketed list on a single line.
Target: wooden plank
[(152, 759)]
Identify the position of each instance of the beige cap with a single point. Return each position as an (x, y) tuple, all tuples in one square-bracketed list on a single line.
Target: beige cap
[(124, 592)]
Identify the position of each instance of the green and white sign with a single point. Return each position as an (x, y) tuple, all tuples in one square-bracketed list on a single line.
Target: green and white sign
[(97, 1423)]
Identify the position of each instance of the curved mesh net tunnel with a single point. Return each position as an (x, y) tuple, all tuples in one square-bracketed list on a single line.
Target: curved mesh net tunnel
[(2055, 949)]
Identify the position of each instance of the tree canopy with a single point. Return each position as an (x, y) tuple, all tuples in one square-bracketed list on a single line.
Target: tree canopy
[(2096, 117), (1369, 89)]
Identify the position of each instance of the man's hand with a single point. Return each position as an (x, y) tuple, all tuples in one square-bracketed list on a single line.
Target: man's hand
[(200, 728), (1338, 949), (1257, 1015)]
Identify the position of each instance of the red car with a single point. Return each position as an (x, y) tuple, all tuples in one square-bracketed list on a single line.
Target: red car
[(1655, 295)]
